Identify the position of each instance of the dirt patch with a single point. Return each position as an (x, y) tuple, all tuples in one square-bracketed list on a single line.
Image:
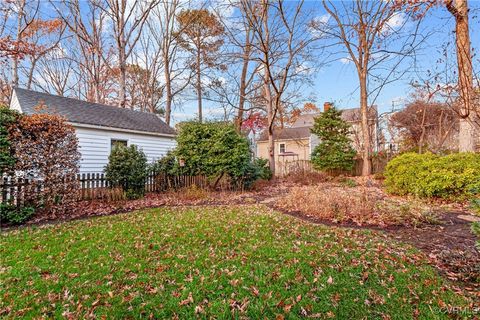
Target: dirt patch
[(453, 234), (450, 246)]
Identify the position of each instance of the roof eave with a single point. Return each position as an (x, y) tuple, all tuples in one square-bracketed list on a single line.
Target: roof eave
[(286, 139), (91, 126)]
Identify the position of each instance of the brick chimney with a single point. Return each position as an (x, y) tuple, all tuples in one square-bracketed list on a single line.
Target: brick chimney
[(326, 106)]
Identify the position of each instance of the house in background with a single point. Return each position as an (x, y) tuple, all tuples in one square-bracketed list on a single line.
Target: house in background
[(99, 127), (297, 142)]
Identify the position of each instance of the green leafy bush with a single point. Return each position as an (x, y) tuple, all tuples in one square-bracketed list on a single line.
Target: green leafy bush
[(263, 168), (168, 165), (257, 169), (475, 205), (428, 175), (127, 168), (217, 150), (7, 158), (334, 151), (10, 213)]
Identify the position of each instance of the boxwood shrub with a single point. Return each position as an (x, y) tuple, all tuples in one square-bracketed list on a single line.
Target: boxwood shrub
[(12, 214), (127, 168), (454, 176)]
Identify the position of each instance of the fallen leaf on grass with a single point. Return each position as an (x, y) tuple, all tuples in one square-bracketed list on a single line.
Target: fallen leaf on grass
[(187, 301)]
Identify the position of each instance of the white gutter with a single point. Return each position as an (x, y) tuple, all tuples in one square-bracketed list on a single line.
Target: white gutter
[(91, 126)]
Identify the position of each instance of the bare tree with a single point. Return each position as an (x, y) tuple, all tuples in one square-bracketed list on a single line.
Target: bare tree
[(241, 76), (163, 32), (366, 29), (45, 36), (426, 124), (282, 40), (25, 14), (128, 19), (55, 73), (87, 24)]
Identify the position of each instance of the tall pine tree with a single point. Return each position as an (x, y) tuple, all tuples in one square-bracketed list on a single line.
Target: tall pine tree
[(334, 151)]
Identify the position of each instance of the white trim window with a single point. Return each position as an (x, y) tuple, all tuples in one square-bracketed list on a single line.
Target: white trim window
[(282, 148)]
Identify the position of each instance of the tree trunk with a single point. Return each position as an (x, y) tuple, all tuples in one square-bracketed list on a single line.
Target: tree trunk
[(424, 129), (168, 89), (199, 86), (466, 135), (122, 57), (123, 79), (241, 100), (97, 63), (268, 93), (366, 167), (243, 85), (21, 5), (30, 73), (270, 122)]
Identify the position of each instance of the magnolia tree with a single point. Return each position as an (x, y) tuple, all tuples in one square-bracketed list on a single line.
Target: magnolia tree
[(45, 148)]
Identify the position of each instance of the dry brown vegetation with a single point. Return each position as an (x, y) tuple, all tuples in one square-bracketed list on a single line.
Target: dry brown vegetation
[(361, 205), (307, 178)]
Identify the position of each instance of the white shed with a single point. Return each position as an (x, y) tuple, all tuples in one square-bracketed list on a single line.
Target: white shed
[(99, 127)]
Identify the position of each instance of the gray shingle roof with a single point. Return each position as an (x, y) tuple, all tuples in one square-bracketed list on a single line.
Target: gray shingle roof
[(287, 133), (83, 112), (300, 129), (349, 115)]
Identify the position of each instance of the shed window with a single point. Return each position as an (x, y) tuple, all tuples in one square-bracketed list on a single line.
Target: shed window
[(282, 147), (116, 142)]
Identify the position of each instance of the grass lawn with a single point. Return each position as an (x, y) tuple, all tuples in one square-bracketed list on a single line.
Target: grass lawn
[(213, 262)]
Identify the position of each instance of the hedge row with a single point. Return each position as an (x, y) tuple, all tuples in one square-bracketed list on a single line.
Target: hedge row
[(428, 175)]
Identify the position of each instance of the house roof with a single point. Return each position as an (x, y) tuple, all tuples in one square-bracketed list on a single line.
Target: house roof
[(349, 115), (287, 133), (300, 129), (83, 112)]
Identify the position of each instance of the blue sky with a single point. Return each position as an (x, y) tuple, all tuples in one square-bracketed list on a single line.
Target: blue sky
[(338, 81)]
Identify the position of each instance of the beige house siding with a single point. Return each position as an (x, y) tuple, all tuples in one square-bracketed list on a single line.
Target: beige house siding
[(301, 147)]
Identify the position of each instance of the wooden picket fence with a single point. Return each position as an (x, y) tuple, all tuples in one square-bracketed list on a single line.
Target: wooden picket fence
[(285, 168), (96, 186), (11, 189)]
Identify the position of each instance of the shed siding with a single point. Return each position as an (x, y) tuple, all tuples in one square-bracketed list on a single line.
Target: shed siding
[(14, 104), (95, 145)]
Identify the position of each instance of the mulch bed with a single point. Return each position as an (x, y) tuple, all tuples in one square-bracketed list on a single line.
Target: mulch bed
[(450, 246)]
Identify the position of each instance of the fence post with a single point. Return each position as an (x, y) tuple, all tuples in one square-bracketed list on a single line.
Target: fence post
[(87, 186)]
